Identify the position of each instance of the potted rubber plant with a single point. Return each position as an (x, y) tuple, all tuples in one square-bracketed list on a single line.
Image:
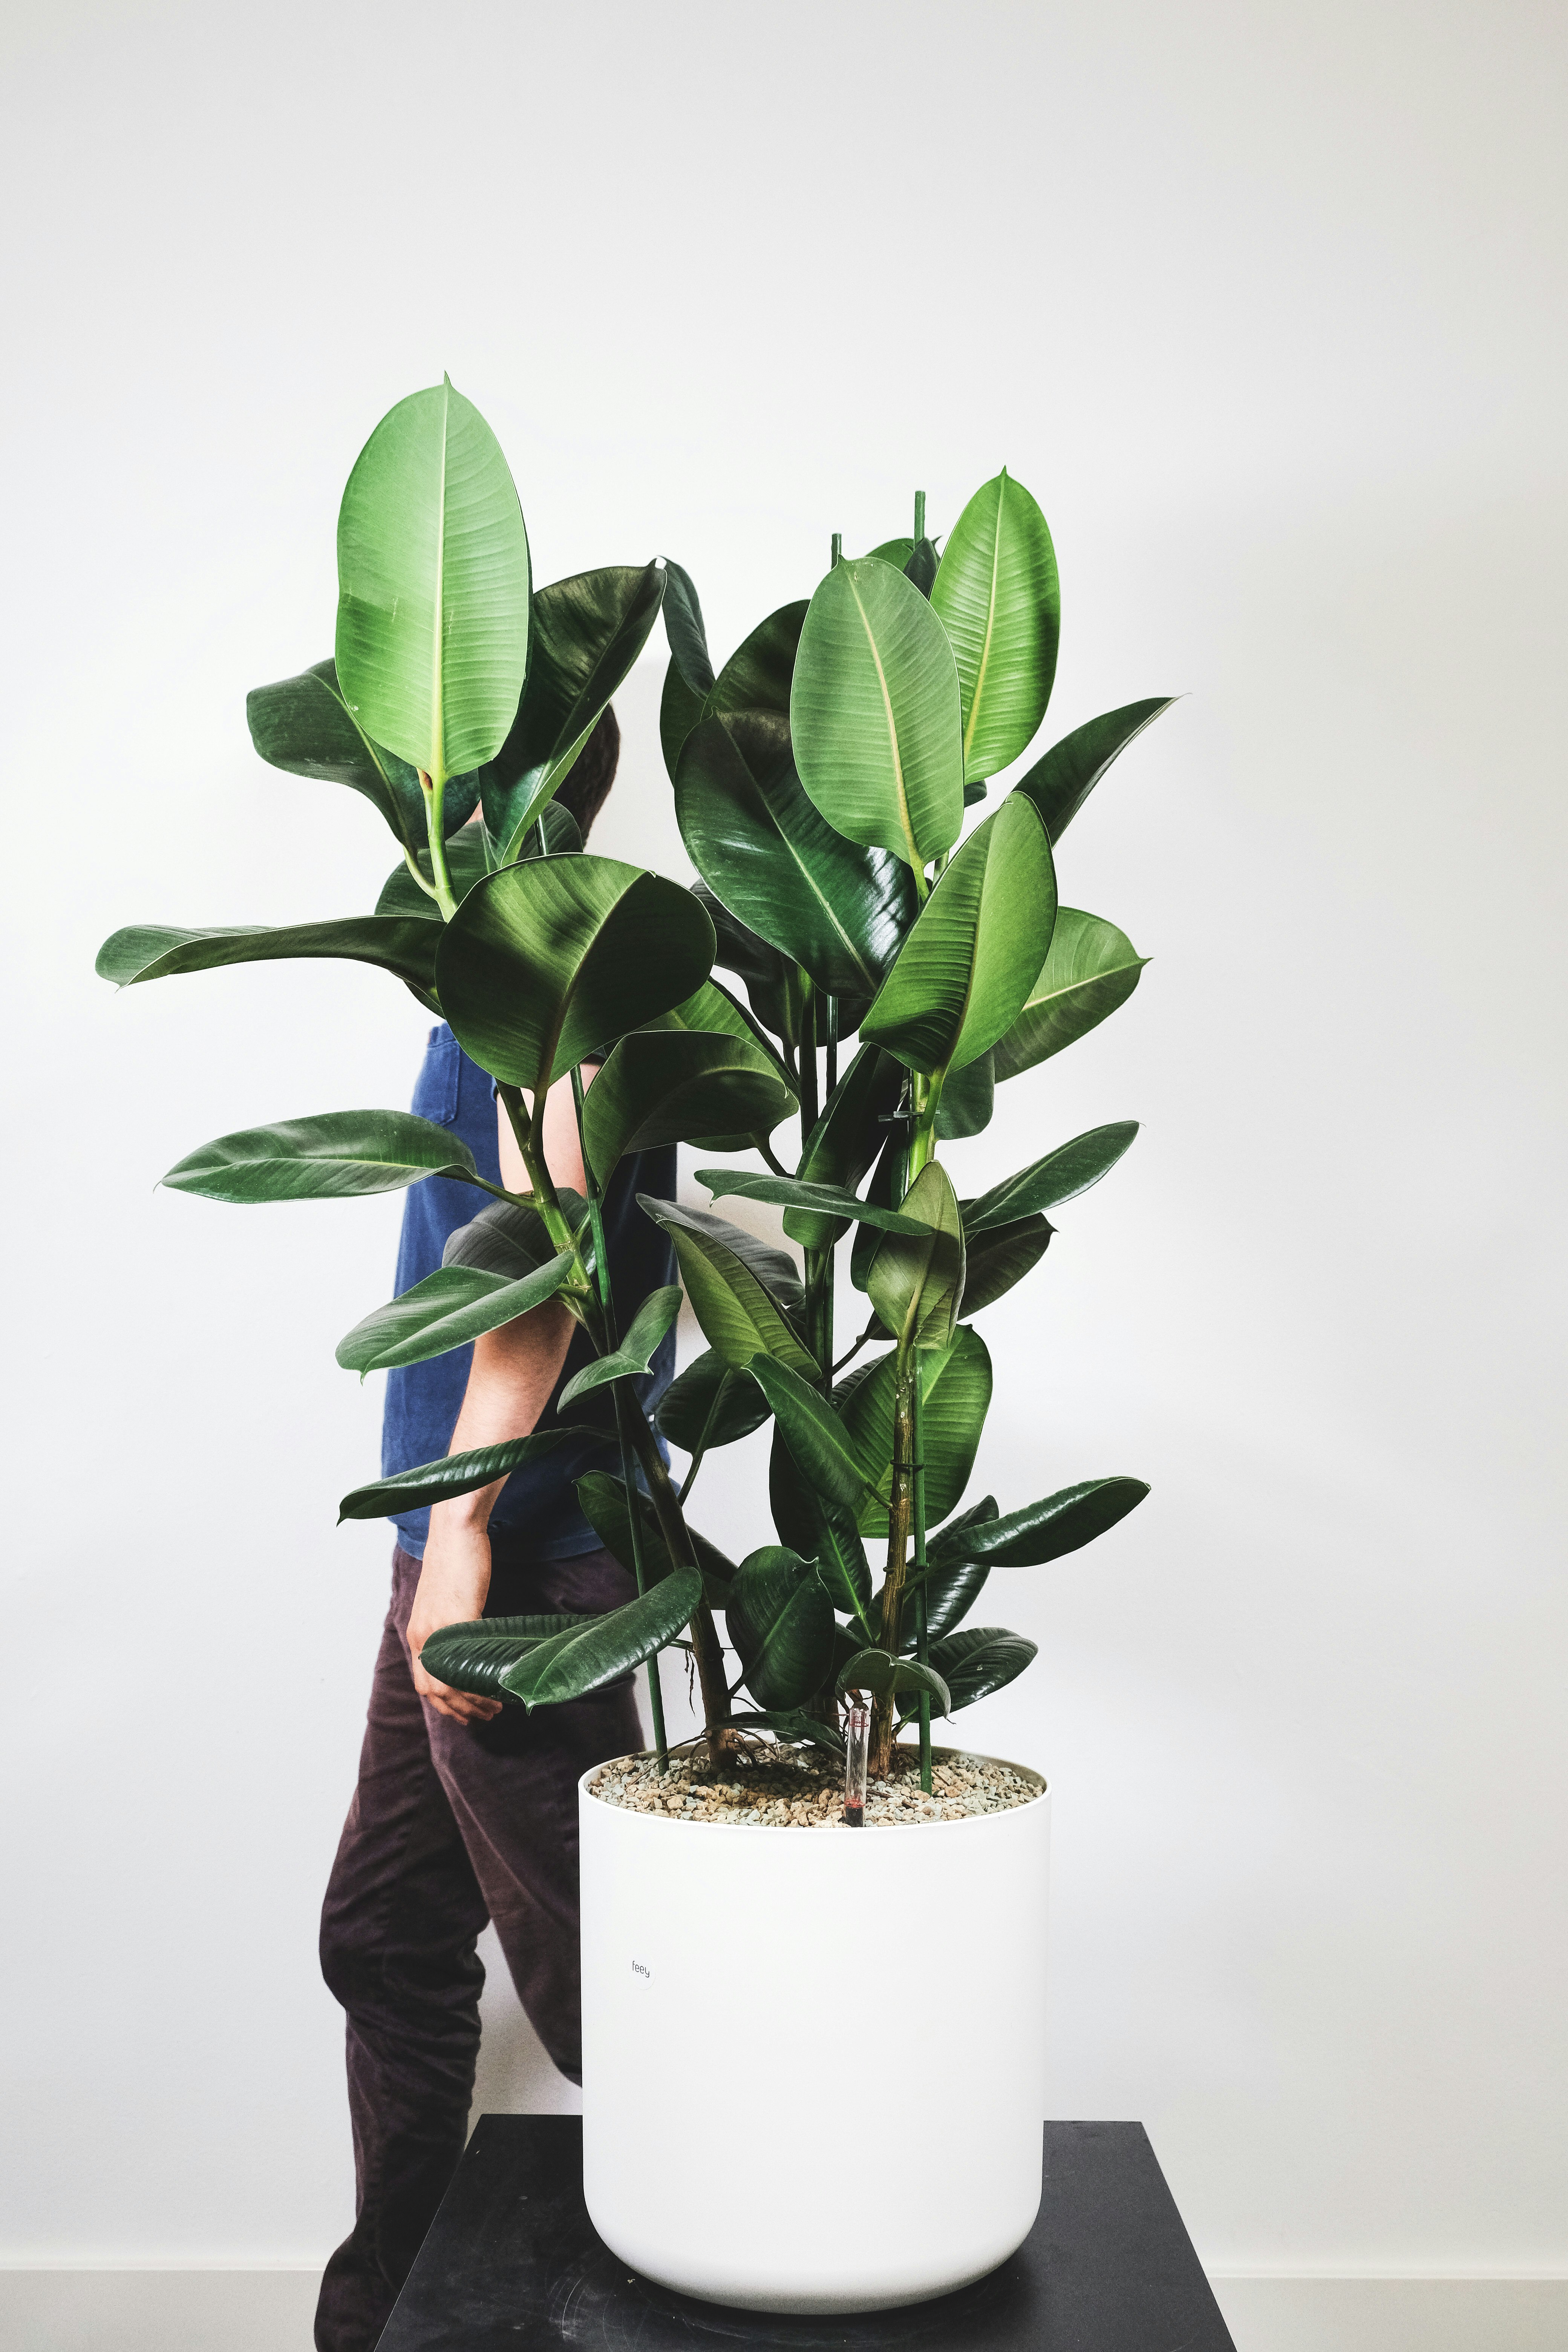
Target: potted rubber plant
[(889, 969)]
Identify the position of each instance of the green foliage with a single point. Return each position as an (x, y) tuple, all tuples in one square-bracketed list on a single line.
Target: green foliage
[(653, 1319), (602, 1498), (963, 972), (996, 1260), (883, 1675), (449, 1307), (432, 587), (1091, 968), (1046, 1531), (341, 1155), (741, 1293), (845, 1141), (916, 1282), (875, 717), (305, 725), (467, 861), (824, 1449), (458, 1473), (1059, 783), (1062, 1175), (544, 963), (955, 1388), (711, 1403), (781, 1622), (679, 1085), (998, 597), (979, 1660), (819, 1527), (397, 943), (587, 635), (492, 1659), (762, 847), (829, 1204)]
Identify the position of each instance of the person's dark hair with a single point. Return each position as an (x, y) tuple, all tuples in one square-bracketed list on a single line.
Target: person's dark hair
[(587, 788)]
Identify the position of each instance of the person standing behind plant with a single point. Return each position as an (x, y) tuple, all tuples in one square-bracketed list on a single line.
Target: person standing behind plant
[(463, 1815)]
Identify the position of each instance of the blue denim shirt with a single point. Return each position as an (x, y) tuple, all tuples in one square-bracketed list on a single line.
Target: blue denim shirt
[(423, 1399)]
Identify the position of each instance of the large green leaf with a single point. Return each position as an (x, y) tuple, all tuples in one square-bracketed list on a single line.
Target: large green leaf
[(1046, 1531), (837, 908), (781, 1622), (588, 632), (823, 1450), (456, 1474), (467, 864), (878, 1672), (950, 1594), (602, 1498), (582, 1657), (676, 1085), (955, 1396), (339, 1155), (678, 712), (433, 586), (812, 1524), (401, 944), (996, 1260), (476, 1655), (999, 599), (509, 1238), (916, 1281), (449, 1307), (686, 630), (546, 962), (1061, 783), (710, 1403), (875, 715), (771, 980), (305, 725), (968, 1099), (964, 971), (1091, 968), (846, 1141), (653, 1319), (742, 1293), (1062, 1175), (978, 1660), (758, 673), (828, 1201)]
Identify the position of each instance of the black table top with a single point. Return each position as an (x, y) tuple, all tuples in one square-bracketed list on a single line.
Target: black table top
[(512, 2261)]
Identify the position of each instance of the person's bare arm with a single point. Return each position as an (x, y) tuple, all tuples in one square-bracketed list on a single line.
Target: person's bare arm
[(510, 1382)]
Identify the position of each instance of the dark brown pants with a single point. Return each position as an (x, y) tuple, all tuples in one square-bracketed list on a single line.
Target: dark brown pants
[(451, 1825)]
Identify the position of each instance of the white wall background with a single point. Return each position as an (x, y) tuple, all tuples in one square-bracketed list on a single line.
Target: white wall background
[(1264, 304)]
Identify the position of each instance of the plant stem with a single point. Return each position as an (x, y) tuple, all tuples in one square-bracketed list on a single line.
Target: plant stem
[(435, 793), (808, 1095), (530, 1143), (838, 550), (918, 1514), (629, 1475), (705, 1643), (830, 1041), (919, 516), (412, 865)]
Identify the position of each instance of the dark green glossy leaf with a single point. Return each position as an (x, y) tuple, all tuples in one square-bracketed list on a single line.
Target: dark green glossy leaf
[(678, 712), (305, 725), (793, 1726), (456, 1473), (771, 980), (846, 1141), (433, 586), (1046, 1531), (758, 672), (685, 629), (950, 1594), (742, 1293), (880, 1192), (978, 1660), (810, 1523), (603, 1500), (467, 861), (998, 1259), (543, 964), (781, 1622), (896, 551), (968, 1099), (955, 1399), (653, 1319), (1062, 1175), (830, 1201), (449, 1307), (342, 1154), (823, 1450), (1091, 968), (710, 1403), (874, 714), (585, 1657), (474, 1656), (400, 944), (965, 969), (916, 1283), (997, 593), (838, 909), (508, 1238), (588, 632), (1061, 783), (921, 566), (877, 1672), (676, 1085)]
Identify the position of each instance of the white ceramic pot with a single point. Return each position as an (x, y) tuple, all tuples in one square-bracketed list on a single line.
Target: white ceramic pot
[(773, 2022)]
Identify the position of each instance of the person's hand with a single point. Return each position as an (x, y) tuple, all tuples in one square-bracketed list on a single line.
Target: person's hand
[(454, 1580)]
